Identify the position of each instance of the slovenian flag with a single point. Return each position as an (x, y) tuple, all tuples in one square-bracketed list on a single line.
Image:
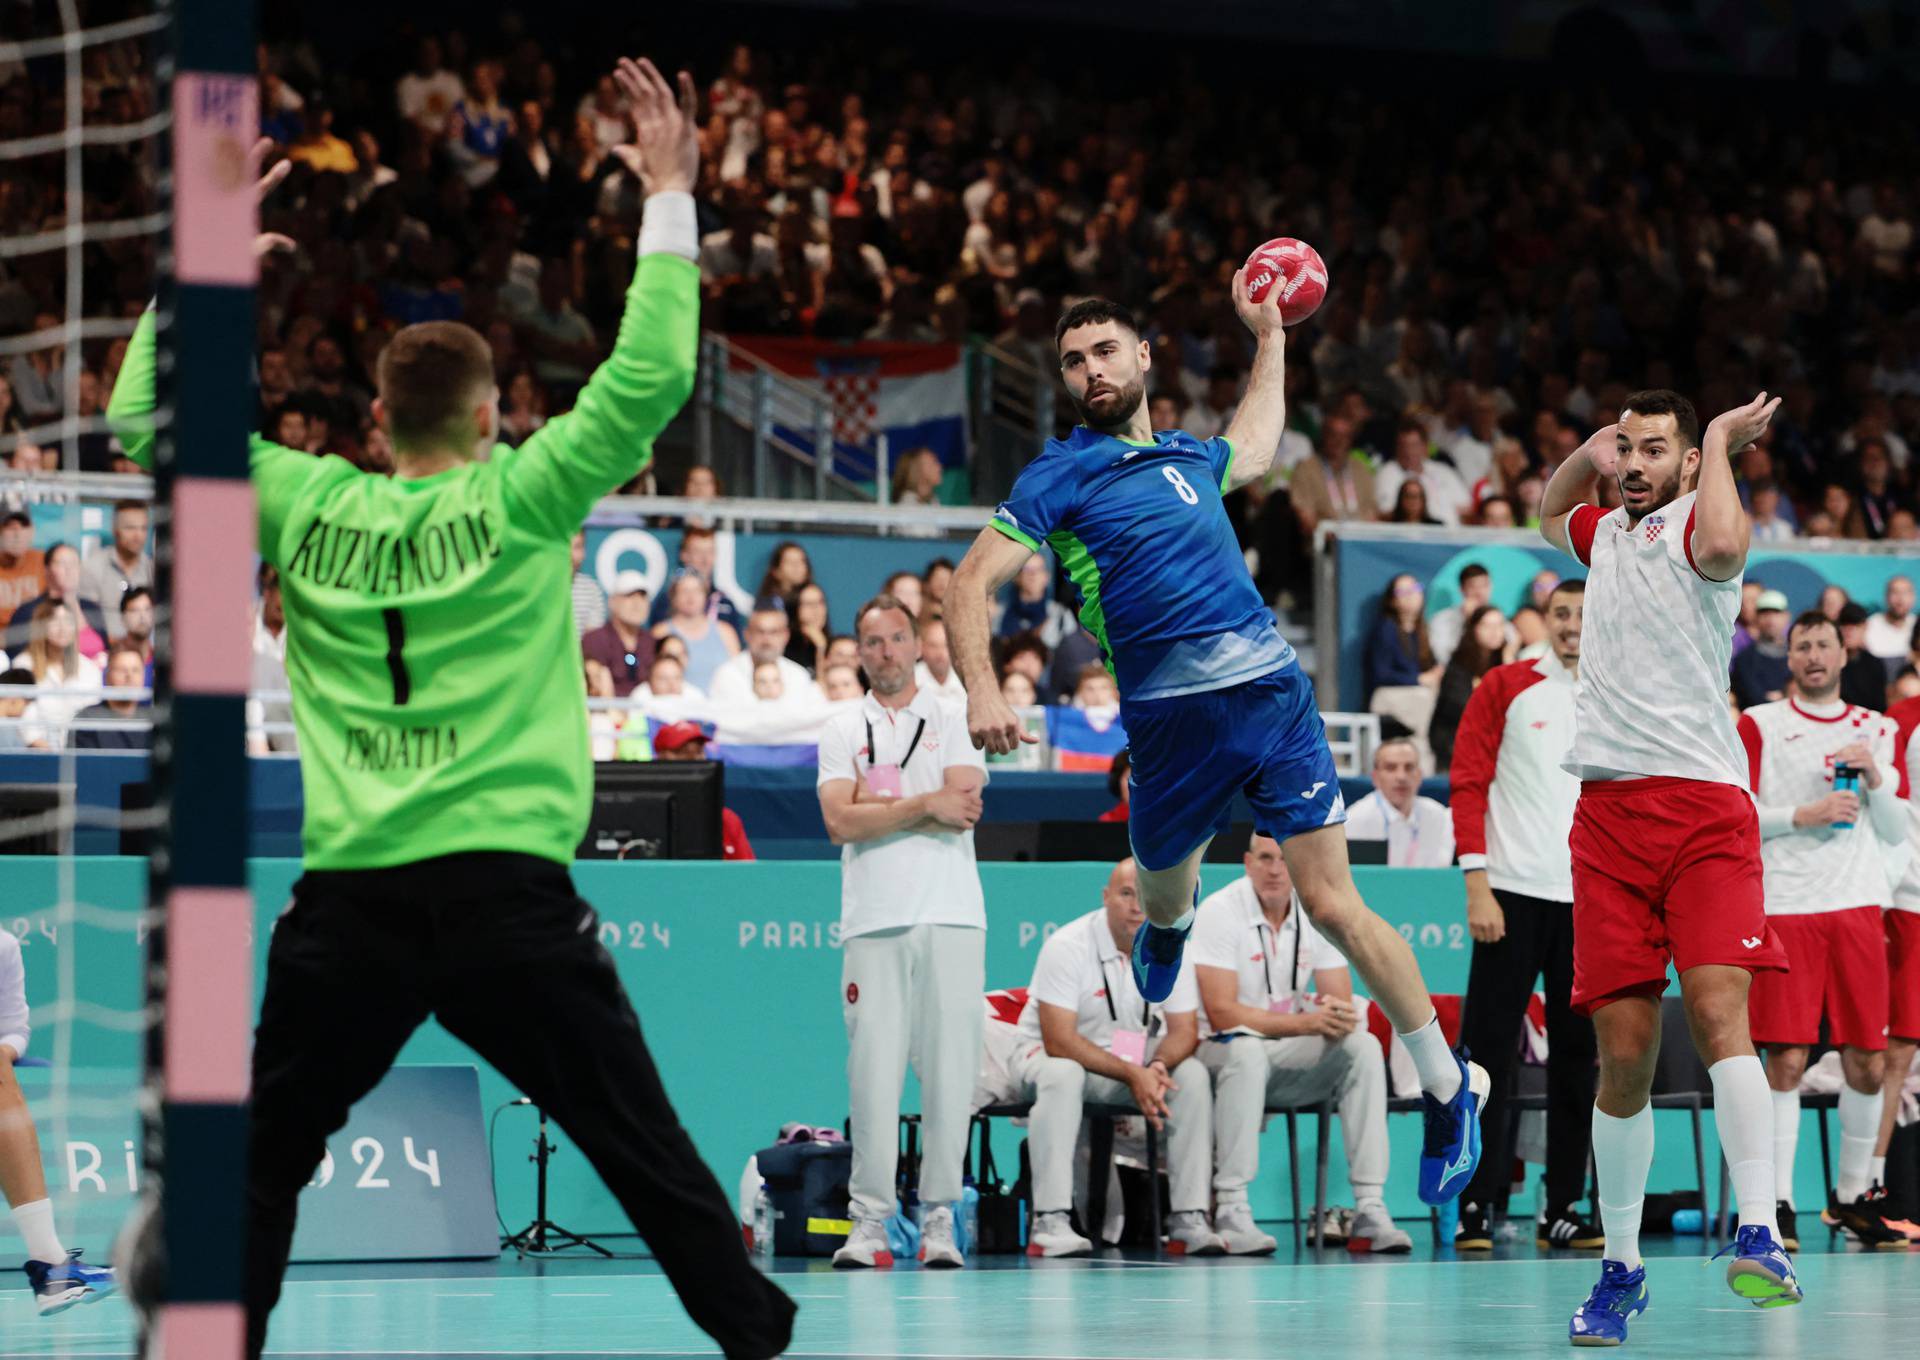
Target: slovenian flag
[(916, 393), (1085, 739)]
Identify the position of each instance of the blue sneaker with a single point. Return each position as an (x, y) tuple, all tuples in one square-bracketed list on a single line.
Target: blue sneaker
[(1620, 1295), (1760, 1271), (57, 1288), (1156, 959), (1452, 1147)]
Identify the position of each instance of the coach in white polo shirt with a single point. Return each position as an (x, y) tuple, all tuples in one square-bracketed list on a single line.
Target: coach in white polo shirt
[(1418, 831), (1276, 999), (900, 790), (1086, 1035)]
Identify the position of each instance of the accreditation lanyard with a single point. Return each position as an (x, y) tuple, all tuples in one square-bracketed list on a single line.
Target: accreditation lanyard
[(889, 781), (1282, 1005), (1129, 1045)]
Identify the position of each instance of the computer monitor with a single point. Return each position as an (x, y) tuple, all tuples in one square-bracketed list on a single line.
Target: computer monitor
[(30, 822), (655, 809)]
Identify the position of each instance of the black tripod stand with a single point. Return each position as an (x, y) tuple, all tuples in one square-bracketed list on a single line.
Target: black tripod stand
[(544, 1237)]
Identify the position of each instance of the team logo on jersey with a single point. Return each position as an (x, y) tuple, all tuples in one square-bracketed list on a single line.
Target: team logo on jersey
[(1655, 523), (1751, 942), (1314, 792)]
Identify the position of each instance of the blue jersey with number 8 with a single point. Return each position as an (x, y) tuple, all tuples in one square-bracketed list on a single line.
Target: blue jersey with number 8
[(1141, 531)]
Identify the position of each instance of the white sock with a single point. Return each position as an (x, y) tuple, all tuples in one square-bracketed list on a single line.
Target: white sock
[(35, 1222), (1877, 1170), (1859, 1131), (1743, 1112), (1186, 919), (1622, 1157), (1439, 1069), (1786, 1137)]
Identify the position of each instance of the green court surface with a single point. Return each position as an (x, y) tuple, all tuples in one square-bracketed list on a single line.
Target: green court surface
[(1110, 1308)]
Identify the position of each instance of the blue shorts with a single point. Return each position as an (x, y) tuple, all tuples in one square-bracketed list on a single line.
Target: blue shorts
[(1192, 753)]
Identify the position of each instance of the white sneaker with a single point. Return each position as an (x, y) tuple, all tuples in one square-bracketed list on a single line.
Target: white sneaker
[(1191, 1234), (1374, 1230), (938, 1250), (1334, 1224), (1053, 1235), (1234, 1223), (866, 1247)]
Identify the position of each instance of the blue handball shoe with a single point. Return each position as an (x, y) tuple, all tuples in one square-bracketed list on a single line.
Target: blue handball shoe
[(1451, 1149), (1620, 1296), (57, 1288), (1760, 1271), (1156, 959)]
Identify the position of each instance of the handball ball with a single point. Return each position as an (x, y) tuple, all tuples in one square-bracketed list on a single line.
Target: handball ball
[(1296, 269)]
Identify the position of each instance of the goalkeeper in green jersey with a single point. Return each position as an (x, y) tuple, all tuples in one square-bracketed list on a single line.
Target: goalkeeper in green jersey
[(443, 738)]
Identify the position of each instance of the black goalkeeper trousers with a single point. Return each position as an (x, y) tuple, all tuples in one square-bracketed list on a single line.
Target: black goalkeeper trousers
[(1538, 943), (502, 951)]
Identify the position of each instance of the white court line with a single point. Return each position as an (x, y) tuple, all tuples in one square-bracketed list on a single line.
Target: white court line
[(1509, 1305)]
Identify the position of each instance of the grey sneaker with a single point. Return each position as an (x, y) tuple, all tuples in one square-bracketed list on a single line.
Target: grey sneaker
[(1053, 1235), (938, 1250), (1235, 1226), (866, 1247), (1192, 1234), (1374, 1230)]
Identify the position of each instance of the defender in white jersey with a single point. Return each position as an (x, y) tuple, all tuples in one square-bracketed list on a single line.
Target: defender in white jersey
[(1665, 844), (1825, 850)]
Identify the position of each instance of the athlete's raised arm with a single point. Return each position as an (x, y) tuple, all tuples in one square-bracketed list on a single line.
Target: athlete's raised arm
[(1261, 417), (1573, 483), (992, 561), (1721, 531)]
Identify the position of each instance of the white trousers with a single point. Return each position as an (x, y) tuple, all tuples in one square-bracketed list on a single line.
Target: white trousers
[(911, 995), (1249, 1074), (1060, 1087)]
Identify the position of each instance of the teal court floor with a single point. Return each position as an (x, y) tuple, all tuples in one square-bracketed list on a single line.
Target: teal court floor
[(1108, 1308)]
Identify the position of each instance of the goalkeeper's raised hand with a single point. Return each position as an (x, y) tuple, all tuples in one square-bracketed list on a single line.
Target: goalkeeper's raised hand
[(665, 151)]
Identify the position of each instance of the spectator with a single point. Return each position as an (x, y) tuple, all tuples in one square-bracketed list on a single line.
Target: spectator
[(1444, 628), (107, 575), (1483, 648), (1410, 505), (1903, 526), (688, 741), (1760, 672), (710, 642), (121, 726), (1165, 411), (622, 644), (840, 682), (269, 674), (1499, 512), (1875, 493), (701, 483), (17, 732), (38, 376), (767, 636), (1863, 680), (1213, 412), (57, 663), (589, 601), (1119, 787), (935, 673), (136, 625), (1017, 689), (767, 683), (809, 627), (1400, 651), (697, 555), (63, 585), (1032, 608), (1446, 496), (1094, 688), (916, 481), (842, 650), (1769, 525), (427, 94), (667, 679), (1418, 831), (478, 126), (317, 147), (739, 252), (1334, 484), (524, 409), (1529, 629), (789, 570), (23, 574), (904, 586), (561, 340), (1832, 600), (1743, 622), (933, 583), (1890, 632)]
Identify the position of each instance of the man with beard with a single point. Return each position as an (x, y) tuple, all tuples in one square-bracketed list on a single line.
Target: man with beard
[(1212, 697), (900, 793), (1665, 843)]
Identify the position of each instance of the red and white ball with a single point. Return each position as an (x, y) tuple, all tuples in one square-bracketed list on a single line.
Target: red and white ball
[(1296, 269)]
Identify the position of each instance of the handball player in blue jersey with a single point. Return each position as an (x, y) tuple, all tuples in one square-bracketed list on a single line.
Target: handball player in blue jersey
[(1212, 698)]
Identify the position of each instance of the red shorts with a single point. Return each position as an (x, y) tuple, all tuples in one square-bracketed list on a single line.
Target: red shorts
[(1664, 870), (1903, 974), (1839, 970)]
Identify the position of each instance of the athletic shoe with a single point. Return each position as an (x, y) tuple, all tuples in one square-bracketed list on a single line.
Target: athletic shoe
[(938, 1250), (1893, 1214), (866, 1247), (1566, 1231), (1620, 1296), (1053, 1235), (1334, 1223), (58, 1287), (1452, 1147), (1789, 1225), (1235, 1226), (1860, 1220), (1190, 1234), (1156, 959), (1374, 1230), (1760, 1271), (1474, 1232)]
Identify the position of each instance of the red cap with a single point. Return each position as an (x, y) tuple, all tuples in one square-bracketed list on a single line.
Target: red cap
[(675, 735)]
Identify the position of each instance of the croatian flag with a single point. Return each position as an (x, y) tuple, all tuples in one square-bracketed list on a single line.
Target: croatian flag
[(915, 393)]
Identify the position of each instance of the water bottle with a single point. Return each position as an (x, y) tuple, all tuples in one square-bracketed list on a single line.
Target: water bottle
[(1846, 779), (763, 1225), (969, 1217)]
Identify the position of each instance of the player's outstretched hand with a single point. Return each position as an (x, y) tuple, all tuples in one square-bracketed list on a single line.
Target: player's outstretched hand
[(1603, 450), (994, 726), (1744, 424), (267, 242), (665, 152), (1262, 317)]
